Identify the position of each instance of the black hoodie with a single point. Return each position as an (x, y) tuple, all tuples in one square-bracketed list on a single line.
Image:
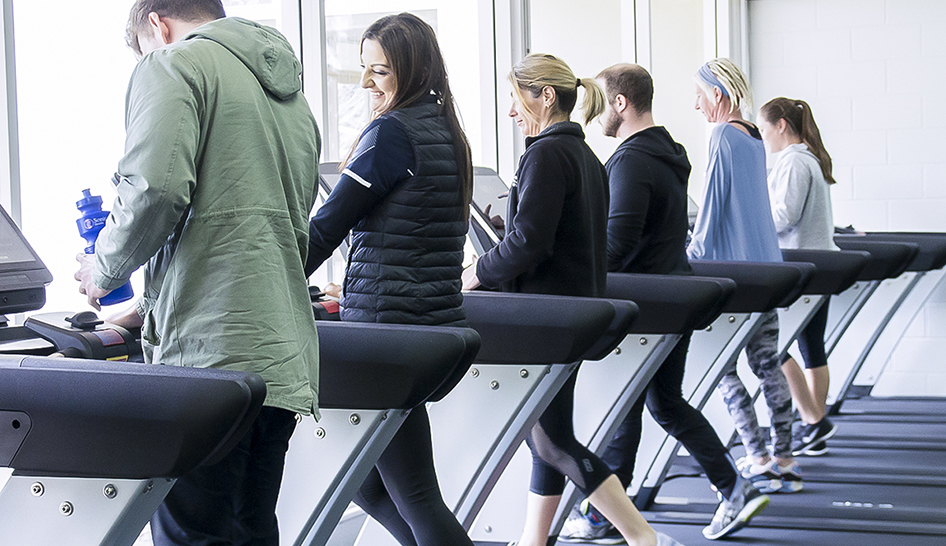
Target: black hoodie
[(647, 222)]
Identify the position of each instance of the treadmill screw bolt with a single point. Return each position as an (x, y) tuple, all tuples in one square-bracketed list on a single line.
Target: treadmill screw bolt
[(110, 491), (474, 372), (320, 433), (709, 328), (643, 341), (523, 373), (66, 509), (732, 319), (37, 489), (149, 487), (617, 350), (494, 384), (354, 419), (807, 300), (488, 529)]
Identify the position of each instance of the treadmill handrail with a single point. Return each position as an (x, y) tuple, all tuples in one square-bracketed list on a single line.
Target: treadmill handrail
[(671, 304), (932, 251), (760, 286), (543, 329), (888, 259), (98, 419), (390, 366), (836, 270)]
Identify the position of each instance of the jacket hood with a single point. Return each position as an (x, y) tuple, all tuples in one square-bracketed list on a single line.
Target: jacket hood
[(657, 142), (262, 49)]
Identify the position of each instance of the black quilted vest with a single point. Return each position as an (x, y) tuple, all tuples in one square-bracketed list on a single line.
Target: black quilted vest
[(406, 256)]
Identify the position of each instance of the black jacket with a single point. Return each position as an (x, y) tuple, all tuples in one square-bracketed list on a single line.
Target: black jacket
[(647, 222), (556, 225), (406, 256)]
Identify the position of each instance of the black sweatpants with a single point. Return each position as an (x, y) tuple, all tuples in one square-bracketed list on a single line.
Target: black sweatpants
[(232, 502), (664, 399)]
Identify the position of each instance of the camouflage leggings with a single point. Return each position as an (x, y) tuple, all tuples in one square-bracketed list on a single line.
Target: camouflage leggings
[(762, 353)]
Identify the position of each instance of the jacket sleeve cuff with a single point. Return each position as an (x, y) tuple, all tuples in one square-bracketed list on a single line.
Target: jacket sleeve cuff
[(105, 282)]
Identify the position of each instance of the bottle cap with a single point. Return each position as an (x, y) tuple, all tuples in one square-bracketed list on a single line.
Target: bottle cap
[(89, 201)]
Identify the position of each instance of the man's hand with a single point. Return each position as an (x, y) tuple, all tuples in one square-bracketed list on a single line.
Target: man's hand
[(86, 285), (127, 319)]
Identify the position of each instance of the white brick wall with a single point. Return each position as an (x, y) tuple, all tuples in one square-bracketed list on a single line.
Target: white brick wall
[(873, 72)]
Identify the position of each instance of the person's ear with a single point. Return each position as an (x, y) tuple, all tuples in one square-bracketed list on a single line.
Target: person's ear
[(158, 28), (548, 96), (782, 126), (620, 103)]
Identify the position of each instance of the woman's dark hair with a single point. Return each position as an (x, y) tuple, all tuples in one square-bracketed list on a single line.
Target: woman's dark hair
[(797, 114), (411, 48)]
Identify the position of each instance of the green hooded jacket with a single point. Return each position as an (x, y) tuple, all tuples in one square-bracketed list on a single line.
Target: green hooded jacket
[(214, 192)]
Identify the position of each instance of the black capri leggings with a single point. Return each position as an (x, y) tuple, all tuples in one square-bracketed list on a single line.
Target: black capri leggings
[(811, 339), (557, 454)]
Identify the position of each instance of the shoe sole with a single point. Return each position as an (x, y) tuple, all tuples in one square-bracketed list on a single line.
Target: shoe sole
[(749, 511), (806, 449), (575, 539)]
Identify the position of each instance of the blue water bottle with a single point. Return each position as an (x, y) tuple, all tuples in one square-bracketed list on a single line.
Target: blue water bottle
[(90, 224)]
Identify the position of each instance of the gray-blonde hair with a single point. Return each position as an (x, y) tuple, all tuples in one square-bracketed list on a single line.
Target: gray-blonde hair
[(537, 71), (733, 81)]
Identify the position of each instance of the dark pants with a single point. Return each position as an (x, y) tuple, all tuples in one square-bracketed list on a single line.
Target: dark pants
[(402, 492), (664, 399), (557, 454), (811, 339), (232, 502)]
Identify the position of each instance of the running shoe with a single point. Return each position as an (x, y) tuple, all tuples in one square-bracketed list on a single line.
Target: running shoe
[(584, 527), (764, 477), (809, 436), (665, 540), (817, 450), (733, 515), (791, 478)]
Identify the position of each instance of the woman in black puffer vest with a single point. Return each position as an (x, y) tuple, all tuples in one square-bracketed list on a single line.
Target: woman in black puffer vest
[(404, 194)]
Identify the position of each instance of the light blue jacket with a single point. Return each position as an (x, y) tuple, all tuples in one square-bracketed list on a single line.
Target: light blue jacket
[(735, 220)]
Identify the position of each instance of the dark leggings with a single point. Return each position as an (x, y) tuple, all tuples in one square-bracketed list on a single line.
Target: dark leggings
[(811, 339), (664, 399), (557, 454), (402, 492)]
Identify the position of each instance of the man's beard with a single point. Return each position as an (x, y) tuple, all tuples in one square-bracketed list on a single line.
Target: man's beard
[(612, 123)]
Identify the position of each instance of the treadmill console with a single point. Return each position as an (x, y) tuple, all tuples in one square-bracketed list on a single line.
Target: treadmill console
[(23, 276)]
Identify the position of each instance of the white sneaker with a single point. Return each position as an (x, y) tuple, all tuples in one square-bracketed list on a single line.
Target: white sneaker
[(665, 540)]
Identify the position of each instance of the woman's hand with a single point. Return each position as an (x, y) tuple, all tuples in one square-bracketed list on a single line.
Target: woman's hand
[(470, 281), (333, 290)]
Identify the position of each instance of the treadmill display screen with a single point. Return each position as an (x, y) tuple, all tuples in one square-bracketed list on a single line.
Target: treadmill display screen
[(13, 249)]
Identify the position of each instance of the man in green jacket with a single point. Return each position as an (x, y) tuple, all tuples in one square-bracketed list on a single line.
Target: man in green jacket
[(214, 193)]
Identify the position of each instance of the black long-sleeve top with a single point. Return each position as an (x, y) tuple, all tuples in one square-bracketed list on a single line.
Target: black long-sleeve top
[(556, 228), (647, 222)]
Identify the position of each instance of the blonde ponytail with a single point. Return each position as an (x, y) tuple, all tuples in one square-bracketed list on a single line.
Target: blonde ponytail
[(537, 71)]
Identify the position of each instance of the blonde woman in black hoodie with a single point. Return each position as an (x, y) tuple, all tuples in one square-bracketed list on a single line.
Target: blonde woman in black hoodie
[(556, 243)]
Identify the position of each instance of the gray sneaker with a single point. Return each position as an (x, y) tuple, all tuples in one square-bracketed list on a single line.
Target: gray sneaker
[(733, 515), (584, 528)]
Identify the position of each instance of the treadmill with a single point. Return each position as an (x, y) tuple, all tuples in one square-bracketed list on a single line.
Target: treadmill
[(883, 486), (93, 446)]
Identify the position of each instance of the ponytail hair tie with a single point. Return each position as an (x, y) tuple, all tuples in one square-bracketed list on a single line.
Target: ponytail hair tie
[(578, 84)]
